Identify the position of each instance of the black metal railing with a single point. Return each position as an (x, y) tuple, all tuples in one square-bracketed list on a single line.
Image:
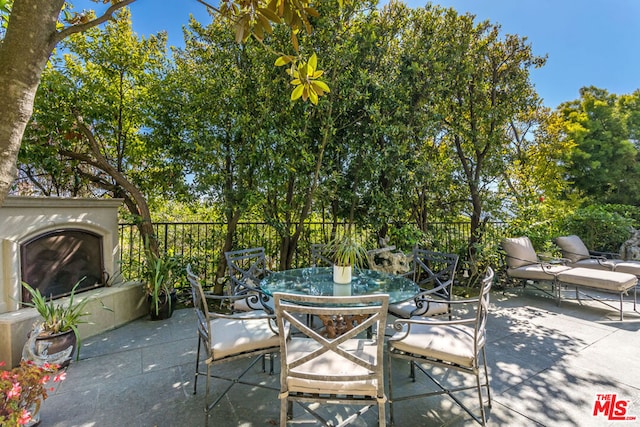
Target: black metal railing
[(200, 243)]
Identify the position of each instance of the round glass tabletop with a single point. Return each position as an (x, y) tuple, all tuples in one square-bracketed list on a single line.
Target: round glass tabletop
[(319, 281)]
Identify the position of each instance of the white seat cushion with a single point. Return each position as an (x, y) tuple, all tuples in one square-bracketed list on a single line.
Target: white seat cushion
[(405, 309), (236, 336), (252, 303), (332, 366), (453, 343)]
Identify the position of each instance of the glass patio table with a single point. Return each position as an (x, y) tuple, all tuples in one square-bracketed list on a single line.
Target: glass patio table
[(319, 281)]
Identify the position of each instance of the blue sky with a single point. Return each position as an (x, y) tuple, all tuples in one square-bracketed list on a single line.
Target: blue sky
[(588, 42)]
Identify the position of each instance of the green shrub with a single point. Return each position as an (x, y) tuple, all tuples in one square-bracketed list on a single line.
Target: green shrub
[(600, 227)]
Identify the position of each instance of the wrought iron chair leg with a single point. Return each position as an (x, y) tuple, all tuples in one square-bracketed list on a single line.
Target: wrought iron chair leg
[(195, 379)]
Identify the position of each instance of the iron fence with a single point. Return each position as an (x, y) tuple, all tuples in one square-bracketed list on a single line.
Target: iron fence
[(200, 243)]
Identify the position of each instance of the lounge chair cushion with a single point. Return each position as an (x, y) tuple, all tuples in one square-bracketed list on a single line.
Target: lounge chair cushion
[(573, 248), (598, 279), (520, 251), (537, 272)]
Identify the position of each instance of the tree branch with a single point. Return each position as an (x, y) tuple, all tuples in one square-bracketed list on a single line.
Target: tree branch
[(108, 14)]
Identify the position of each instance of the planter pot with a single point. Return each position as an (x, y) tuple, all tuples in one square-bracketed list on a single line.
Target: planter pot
[(165, 306), (56, 349), (342, 274)]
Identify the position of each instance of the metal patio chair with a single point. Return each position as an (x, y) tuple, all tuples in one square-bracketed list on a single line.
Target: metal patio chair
[(344, 370), (229, 337), (457, 344), (434, 272), (320, 253), (246, 268)]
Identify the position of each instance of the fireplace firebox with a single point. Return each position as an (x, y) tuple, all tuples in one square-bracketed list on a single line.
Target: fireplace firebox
[(55, 261)]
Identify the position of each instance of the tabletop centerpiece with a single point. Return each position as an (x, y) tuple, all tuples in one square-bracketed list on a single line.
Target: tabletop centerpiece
[(346, 253)]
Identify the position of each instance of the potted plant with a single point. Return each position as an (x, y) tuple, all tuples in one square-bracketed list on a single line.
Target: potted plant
[(159, 285), (56, 338), (346, 253), (22, 391)]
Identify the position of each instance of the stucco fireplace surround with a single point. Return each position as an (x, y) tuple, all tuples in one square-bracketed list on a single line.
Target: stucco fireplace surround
[(23, 219)]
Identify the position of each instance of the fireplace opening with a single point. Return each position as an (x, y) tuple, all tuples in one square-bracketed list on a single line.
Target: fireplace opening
[(55, 261)]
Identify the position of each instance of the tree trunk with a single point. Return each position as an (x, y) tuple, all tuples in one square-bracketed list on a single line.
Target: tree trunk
[(232, 225), (24, 52)]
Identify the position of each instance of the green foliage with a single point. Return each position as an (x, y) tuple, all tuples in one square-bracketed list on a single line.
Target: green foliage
[(160, 276), (346, 250), (604, 163), (540, 220), (405, 237), (59, 317), (600, 228)]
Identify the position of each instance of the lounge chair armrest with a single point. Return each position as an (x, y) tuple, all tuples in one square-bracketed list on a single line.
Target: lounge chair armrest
[(605, 255)]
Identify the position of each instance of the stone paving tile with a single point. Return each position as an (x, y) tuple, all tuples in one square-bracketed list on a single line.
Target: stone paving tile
[(547, 365)]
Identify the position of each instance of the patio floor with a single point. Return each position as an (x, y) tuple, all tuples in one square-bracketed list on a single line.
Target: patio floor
[(547, 366)]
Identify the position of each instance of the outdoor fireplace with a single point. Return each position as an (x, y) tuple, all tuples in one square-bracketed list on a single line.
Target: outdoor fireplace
[(56, 261), (52, 243)]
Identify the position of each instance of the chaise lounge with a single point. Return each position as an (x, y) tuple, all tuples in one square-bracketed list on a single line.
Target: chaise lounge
[(524, 264), (577, 254)]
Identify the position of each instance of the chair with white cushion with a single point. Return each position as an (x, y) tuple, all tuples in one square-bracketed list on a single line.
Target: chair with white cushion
[(434, 272), (229, 337), (457, 344), (246, 268), (346, 369)]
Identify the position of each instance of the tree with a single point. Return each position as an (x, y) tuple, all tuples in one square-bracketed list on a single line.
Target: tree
[(33, 31), (90, 112), (485, 85), (604, 163)]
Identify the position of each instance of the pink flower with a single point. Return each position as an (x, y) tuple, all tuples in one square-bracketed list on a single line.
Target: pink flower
[(25, 417), (60, 377), (15, 391)]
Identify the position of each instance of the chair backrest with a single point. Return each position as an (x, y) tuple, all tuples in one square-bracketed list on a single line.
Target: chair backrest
[(246, 268), (320, 255), (200, 306), (359, 313), (519, 251), (482, 311), (573, 248), (435, 271)]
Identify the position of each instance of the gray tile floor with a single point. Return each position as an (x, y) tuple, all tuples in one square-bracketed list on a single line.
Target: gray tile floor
[(547, 366)]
